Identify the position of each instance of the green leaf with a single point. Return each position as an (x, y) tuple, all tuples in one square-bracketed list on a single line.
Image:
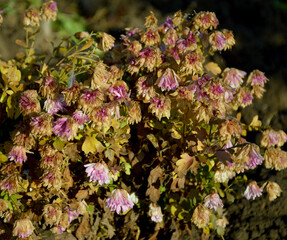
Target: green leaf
[(58, 144), (127, 167), (90, 208)]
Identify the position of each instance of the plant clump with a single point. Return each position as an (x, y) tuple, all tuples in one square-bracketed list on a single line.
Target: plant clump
[(143, 132)]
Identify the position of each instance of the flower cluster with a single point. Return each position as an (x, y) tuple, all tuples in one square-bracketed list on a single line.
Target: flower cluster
[(145, 127)]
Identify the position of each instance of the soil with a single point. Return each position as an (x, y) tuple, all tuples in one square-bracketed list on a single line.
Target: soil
[(260, 29)]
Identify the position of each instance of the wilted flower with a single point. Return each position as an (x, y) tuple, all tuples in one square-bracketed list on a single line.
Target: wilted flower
[(49, 10), (80, 117), (72, 94), (167, 24), (213, 201), (119, 92), (49, 87), (91, 99), (71, 214), (222, 222), (223, 174), (66, 128), (257, 77), (160, 106), (54, 106), (151, 20), (10, 184), (98, 172), (233, 77), (18, 154), (272, 137), (168, 80), (52, 178), (252, 191), (100, 77), (23, 228), (29, 102), (217, 41), (52, 214), (150, 58), (3, 206), (273, 190), (249, 156), (200, 216), (275, 158), (151, 37), (230, 41), (205, 20), (106, 41), (144, 88), (32, 18), (134, 112), (230, 128), (192, 63), (155, 212), (42, 125), (119, 201), (244, 97), (170, 38)]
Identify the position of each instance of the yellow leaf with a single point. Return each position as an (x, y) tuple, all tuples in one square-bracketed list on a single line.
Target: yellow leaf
[(173, 209), (3, 158), (89, 145), (213, 68), (255, 123)]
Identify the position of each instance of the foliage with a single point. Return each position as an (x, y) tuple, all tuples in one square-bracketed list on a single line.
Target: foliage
[(145, 129)]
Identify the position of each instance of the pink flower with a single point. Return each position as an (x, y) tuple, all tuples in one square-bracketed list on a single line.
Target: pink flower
[(217, 40), (119, 201), (29, 102), (98, 172), (233, 77), (119, 93), (254, 157), (155, 212), (168, 80), (80, 117), (65, 128), (71, 214), (257, 78), (18, 154), (23, 228), (54, 106), (213, 201), (168, 24), (252, 191)]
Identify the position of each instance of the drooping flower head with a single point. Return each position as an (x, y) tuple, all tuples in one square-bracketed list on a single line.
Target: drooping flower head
[(119, 92), (252, 191), (212, 201), (119, 201), (29, 102), (49, 87), (54, 106), (23, 228), (205, 20), (233, 77), (80, 117), (168, 80), (200, 216), (151, 37), (91, 99), (155, 212), (217, 41), (257, 77), (42, 125), (52, 214), (106, 41), (160, 106), (273, 190), (98, 172), (10, 184), (66, 128), (18, 154), (272, 137), (275, 158)]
